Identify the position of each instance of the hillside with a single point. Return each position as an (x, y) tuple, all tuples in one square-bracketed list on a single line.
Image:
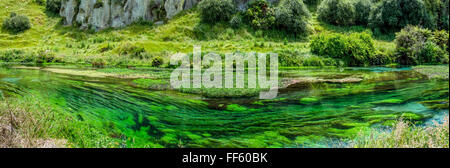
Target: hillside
[(71, 45)]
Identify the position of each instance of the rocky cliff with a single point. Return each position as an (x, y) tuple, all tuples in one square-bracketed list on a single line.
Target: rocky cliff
[(101, 14)]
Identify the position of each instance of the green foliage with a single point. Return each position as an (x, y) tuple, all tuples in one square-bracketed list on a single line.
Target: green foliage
[(236, 21), (157, 61), (292, 16), (395, 14), (362, 9), (355, 49), (337, 12), (213, 11), (295, 58), (421, 46), (53, 6), (438, 10), (260, 15), (441, 39), (381, 58), (312, 2), (98, 4), (131, 50), (16, 23), (39, 2), (431, 53)]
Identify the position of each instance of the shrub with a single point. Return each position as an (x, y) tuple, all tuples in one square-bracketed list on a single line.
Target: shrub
[(131, 50), (355, 49), (312, 2), (39, 2), (53, 6), (438, 10), (404, 134), (292, 16), (396, 14), (216, 10), (420, 46), (362, 11), (236, 21), (157, 61), (16, 23), (381, 58), (260, 14), (441, 39), (337, 12)]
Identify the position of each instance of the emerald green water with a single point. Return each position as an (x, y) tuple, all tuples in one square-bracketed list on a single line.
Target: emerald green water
[(306, 113)]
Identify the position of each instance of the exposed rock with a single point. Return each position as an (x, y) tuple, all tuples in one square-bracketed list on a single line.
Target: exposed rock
[(68, 11), (102, 14)]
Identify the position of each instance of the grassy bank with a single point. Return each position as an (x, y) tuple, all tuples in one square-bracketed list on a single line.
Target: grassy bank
[(405, 135), (29, 122)]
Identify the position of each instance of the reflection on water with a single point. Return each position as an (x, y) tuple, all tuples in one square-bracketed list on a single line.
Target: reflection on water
[(314, 106)]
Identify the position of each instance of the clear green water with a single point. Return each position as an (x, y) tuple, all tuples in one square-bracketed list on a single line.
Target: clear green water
[(305, 114)]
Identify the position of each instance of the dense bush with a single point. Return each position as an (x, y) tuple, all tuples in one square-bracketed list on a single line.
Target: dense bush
[(216, 10), (441, 39), (362, 11), (396, 14), (312, 2), (39, 2), (355, 49), (16, 23), (292, 16), (260, 14), (381, 58), (421, 46), (337, 12), (438, 10), (430, 53), (53, 6)]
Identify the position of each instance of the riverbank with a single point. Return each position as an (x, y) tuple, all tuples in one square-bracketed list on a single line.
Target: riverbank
[(315, 105), (27, 123), (403, 134)]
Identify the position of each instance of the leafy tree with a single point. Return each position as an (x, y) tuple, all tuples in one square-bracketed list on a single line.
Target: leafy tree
[(216, 10), (337, 12)]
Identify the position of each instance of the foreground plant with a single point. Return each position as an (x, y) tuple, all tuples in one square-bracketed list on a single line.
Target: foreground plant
[(405, 135)]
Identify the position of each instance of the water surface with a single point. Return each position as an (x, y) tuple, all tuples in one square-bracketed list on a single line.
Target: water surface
[(311, 110)]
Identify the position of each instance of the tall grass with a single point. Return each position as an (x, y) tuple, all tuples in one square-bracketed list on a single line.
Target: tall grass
[(29, 122), (27, 125), (405, 135)]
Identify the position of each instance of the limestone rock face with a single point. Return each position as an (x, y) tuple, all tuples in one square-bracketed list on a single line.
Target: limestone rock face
[(102, 14), (68, 11)]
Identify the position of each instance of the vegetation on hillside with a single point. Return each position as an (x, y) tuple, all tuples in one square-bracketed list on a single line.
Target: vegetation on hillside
[(285, 28)]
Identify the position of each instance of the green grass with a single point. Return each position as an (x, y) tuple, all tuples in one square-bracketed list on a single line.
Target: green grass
[(405, 135), (70, 45)]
